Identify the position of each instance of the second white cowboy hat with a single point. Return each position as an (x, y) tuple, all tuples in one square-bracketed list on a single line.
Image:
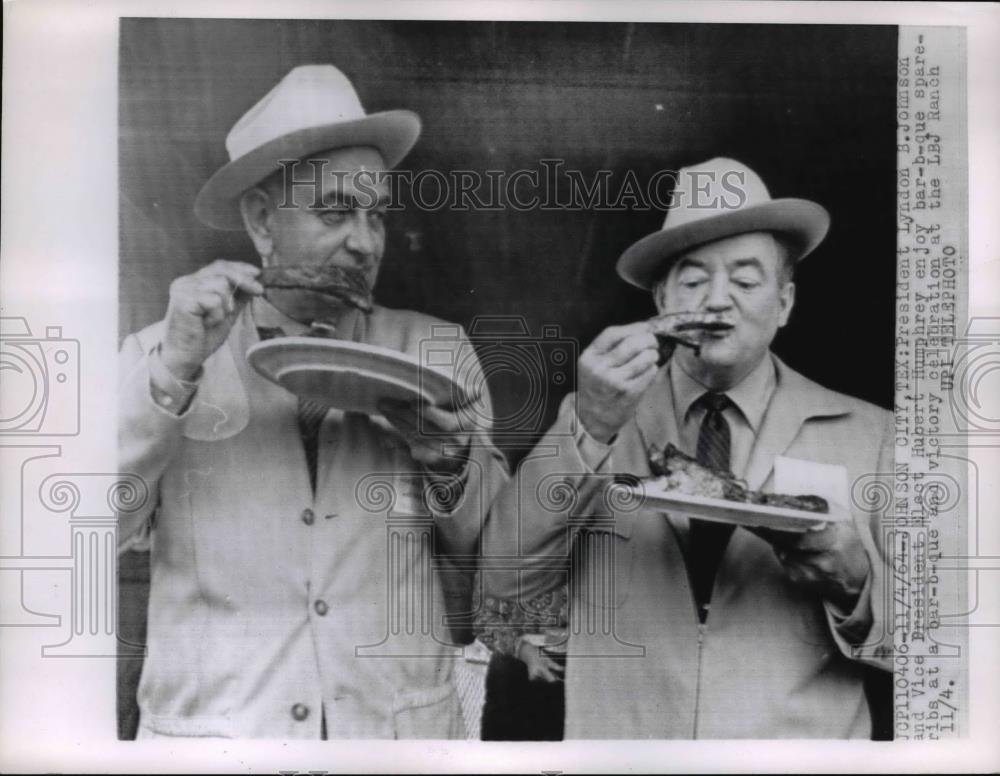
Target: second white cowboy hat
[(312, 109), (717, 199)]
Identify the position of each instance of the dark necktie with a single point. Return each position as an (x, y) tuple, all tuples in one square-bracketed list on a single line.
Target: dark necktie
[(310, 415), (708, 539)]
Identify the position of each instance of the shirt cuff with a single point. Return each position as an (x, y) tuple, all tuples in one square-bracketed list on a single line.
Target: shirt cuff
[(595, 454), (166, 389)]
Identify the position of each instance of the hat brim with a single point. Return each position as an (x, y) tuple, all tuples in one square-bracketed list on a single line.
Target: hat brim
[(393, 133), (802, 222)]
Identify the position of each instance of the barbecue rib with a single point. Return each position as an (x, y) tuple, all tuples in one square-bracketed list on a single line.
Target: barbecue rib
[(344, 283), (684, 474), (687, 329)]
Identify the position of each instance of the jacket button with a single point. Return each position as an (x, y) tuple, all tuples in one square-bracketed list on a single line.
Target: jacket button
[(308, 516), (321, 608), (299, 712)]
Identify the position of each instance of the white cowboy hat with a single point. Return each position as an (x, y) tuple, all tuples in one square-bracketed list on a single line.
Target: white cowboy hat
[(314, 108), (717, 199)]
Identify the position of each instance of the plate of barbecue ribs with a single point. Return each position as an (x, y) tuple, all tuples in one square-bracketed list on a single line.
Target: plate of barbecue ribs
[(681, 485), (345, 375)]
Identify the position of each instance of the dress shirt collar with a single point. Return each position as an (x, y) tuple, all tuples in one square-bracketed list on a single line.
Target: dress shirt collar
[(751, 395)]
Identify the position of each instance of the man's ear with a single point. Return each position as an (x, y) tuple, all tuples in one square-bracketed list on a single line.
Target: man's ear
[(787, 301), (659, 290), (256, 208)]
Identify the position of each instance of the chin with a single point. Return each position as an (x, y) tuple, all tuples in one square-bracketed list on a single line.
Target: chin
[(723, 359), (725, 355), (733, 363)]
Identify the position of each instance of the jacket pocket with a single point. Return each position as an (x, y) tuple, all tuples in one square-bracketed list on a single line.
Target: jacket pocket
[(432, 712)]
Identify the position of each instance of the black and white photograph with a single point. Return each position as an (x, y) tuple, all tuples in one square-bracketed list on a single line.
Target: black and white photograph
[(480, 382)]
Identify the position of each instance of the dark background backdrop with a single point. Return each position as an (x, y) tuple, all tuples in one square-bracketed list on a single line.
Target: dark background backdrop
[(811, 108)]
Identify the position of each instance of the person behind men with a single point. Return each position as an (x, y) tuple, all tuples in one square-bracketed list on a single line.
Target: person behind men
[(524, 684), (269, 578), (685, 628)]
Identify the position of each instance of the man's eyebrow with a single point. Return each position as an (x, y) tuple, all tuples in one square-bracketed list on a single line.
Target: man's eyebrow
[(733, 264), (687, 261), (749, 261)]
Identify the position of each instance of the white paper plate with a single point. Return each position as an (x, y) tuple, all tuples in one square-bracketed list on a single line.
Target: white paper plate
[(733, 512), (351, 376)]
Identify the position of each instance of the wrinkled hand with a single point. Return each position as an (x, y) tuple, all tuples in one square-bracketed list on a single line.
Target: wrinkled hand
[(429, 431), (614, 372), (831, 561), (203, 307), (541, 667)]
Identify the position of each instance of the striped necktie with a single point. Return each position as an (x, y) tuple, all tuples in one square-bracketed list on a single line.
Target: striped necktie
[(709, 539), (310, 415)]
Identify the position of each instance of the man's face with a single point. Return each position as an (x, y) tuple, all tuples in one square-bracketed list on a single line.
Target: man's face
[(740, 278), (340, 222)]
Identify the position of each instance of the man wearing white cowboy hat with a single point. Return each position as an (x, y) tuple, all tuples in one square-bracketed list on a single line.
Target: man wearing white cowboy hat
[(272, 587), (706, 631)]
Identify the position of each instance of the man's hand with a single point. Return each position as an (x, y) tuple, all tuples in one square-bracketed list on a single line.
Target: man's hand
[(429, 431), (831, 562), (202, 309), (614, 372), (541, 667)]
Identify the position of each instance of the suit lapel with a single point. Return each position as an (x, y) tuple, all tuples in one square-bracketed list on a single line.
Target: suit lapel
[(655, 415), (273, 405), (795, 400), (220, 408), (656, 421)]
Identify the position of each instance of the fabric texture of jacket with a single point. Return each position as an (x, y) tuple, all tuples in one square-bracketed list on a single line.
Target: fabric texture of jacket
[(272, 607), (772, 661)]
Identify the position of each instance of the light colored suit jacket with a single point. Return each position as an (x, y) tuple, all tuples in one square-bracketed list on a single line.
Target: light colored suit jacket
[(772, 661), (271, 606)]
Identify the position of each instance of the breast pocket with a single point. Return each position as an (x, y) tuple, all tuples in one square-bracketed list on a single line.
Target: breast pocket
[(603, 562)]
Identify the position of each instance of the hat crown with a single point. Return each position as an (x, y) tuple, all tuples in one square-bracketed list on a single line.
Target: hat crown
[(308, 96), (715, 200), (714, 187)]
